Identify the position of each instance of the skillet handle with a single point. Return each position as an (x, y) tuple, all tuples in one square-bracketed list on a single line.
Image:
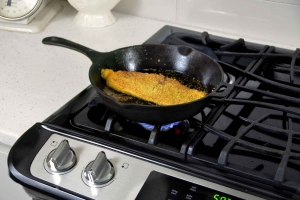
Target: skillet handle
[(57, 41), (228, 88)]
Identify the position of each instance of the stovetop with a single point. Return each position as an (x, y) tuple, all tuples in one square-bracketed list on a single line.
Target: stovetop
[(250, 137)]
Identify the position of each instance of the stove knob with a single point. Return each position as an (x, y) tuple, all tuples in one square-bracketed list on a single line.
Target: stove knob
[(62, 159), (99, 172)]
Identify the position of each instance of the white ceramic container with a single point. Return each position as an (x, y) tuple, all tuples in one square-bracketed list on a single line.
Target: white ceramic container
[(94, 13)]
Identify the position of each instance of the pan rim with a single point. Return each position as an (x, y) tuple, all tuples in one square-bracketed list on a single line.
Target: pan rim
[(132, 105)]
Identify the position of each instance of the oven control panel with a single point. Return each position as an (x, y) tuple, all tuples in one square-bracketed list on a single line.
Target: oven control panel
[(102, 172), (162, 186)]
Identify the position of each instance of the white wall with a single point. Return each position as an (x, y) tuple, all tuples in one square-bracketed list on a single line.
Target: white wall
[(164, 10), (265, 20)]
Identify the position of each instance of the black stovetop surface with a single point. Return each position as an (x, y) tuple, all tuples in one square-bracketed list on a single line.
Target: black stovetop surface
[(252, 135)]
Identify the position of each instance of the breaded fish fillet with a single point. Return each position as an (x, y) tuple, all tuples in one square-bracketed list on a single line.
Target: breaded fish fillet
[(150, 87)]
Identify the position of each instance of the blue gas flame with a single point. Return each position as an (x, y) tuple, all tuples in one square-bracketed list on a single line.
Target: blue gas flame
[(165, 127)]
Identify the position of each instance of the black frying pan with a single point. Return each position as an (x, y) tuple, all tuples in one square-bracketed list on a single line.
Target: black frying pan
[(182, 59)]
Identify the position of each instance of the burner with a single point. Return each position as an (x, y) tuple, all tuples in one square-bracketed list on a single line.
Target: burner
[(165, 127)]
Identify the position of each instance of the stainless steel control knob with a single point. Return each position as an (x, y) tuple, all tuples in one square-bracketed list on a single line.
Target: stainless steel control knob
[(99, 172), (61, 160)]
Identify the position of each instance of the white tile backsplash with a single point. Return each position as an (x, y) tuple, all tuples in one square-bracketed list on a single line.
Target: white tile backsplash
[(164, 10), (264, 20), (257, 19), (295, 2)]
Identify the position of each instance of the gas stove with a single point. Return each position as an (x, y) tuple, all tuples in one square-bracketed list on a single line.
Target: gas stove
[(245, 145)]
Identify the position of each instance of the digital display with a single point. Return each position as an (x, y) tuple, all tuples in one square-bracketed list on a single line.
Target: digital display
[(161, 186), (220, 197)]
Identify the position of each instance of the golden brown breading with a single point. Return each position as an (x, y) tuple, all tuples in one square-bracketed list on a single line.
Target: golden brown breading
[(150, 87)]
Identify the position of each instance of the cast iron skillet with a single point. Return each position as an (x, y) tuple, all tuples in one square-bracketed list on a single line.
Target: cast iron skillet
[(181, 59)]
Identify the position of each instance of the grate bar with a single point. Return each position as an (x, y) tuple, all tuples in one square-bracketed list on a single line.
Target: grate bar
[(284, 155), (272, 129), (248, 145), (154, 135), (110, 122), (223, 158), (207, 41), (279, 176), (255, 55), (270, 94), (295, 56), (274, 83), (284, 69), (231, 66), (184, 147), (237, 44), (245, 144), (259, 104)]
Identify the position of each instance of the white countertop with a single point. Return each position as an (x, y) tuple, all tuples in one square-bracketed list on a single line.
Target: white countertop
[(36, 79)]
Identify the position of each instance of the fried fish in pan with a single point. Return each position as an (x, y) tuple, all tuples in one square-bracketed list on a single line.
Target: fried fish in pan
[(151, 87)]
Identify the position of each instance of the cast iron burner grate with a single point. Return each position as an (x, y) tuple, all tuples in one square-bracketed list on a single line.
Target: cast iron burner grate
[(254, 132)]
